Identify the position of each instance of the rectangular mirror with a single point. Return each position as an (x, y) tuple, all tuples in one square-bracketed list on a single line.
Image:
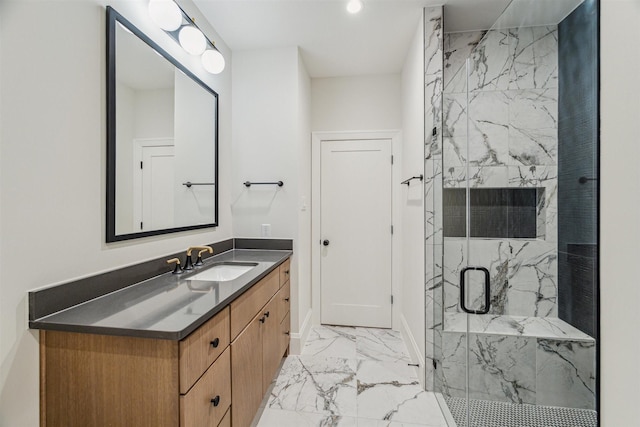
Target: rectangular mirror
[(162, 139)]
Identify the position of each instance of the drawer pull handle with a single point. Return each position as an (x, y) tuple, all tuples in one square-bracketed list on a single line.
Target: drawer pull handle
[(286, 299), (262, 319), (267, 314), (216, 401), (286, 333), (215, 343), (286, 272)]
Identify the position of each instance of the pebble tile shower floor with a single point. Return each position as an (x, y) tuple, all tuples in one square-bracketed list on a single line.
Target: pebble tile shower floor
[(499, 414), (348, 377)]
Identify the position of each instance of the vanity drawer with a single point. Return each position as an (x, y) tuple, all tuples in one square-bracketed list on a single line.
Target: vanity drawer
[(284, 301), (248, 304), (207, 402), (285, 271), (285, 333), (201, 348)]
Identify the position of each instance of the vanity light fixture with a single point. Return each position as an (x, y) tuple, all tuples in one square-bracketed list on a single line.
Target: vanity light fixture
[(192, 40), (354, 6), (166, 14), (169, 16), (213, 61)]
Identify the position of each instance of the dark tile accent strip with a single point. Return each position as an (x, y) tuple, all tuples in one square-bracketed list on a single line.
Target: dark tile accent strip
[(265, 244), (578, 151), (50, 300)]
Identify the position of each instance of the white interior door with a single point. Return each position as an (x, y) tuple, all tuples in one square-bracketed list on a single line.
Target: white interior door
[(355, 223), (158, 181)]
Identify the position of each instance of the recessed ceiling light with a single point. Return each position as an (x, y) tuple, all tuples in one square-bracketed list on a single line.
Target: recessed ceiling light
[(354, 6)]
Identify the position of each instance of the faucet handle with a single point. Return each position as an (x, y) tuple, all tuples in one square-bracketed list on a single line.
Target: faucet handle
[(177, 269)]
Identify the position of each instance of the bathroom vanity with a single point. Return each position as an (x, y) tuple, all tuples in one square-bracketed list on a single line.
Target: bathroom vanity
[(174, 350)]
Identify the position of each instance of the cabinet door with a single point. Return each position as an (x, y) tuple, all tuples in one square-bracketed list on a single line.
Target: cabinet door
[(246, 373), (270, 343)]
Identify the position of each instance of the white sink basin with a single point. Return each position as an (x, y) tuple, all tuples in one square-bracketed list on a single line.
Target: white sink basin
[(223, 272)]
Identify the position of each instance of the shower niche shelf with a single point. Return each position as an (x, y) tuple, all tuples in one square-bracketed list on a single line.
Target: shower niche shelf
[(495, 212)]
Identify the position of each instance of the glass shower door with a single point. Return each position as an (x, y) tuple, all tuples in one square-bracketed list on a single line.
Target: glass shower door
[(519, 199)]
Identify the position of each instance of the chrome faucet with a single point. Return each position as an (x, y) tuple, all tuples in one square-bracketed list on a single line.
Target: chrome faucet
[(188, 263)]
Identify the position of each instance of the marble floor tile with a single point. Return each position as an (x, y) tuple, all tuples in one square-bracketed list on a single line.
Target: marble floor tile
[(374, 372), (399, 403), (366, 422), (375, 387), (331, 341), (280, 418), (381, 344), (317, 385)]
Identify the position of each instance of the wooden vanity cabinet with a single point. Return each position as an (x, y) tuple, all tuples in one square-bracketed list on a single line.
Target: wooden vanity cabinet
[(215, 377)]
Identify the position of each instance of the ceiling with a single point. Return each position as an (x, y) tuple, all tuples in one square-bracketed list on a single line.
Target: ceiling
[(333, 42)]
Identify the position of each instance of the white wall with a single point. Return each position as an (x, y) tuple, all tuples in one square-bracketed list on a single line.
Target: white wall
[(271, 142), (412, 198), (52, 170), (356, 103), (264, 134), (303, 244), (620, 212)]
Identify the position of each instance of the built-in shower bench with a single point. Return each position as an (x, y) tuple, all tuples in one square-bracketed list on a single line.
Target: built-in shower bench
[(522, 360), (537, 327)]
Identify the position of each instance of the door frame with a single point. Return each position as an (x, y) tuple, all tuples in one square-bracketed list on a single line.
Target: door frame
[(396, 277)]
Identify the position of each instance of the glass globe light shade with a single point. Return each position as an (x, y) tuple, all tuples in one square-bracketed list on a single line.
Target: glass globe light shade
[(213, 61), (192, 40), (166, 14)]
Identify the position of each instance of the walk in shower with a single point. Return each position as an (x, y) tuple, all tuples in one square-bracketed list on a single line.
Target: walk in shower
[(512, 216)]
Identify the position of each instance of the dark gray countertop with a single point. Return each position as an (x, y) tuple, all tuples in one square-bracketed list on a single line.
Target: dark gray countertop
[(169, 306)]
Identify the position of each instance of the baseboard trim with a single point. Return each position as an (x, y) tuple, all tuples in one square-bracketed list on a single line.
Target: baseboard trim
[(298, 339), (414, 351)]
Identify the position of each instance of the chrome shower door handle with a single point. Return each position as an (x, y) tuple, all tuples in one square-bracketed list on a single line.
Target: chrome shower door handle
[(487, 290)]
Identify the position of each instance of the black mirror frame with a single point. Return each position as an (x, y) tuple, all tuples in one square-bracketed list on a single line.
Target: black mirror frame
[(114, 17)]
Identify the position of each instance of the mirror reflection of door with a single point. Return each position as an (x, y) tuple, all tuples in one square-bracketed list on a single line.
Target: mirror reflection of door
[(154, 181)]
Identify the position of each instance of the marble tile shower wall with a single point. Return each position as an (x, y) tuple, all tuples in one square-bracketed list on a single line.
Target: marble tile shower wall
[(505, 127), (433, 68)]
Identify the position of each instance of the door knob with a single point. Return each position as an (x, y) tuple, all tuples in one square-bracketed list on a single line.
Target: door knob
[(325, 242)]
